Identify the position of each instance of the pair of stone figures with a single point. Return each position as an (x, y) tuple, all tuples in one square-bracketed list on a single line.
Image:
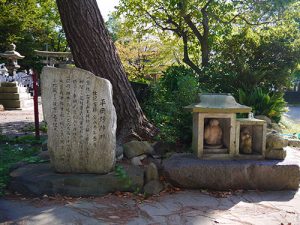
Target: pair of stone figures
[(213, 137)]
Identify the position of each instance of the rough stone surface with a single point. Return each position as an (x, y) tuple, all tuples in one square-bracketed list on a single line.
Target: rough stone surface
[(40, 179), (180, 208), (265, 118), (275, 141), (294, 143), (136, 148), (78, 108), (153, 187), (151, 173), (184, 170), (275, 126), (279, 154), (137, 161)]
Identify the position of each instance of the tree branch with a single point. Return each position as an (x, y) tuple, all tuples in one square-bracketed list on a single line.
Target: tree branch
[(186, 57), (193, 27), (207, 4), (159, 25)]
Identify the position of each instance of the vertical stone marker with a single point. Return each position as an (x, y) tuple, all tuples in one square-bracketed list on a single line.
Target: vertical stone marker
[(81, 117)]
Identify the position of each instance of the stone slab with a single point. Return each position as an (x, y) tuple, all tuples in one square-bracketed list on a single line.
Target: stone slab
[(81, 118), (15, 104), (8, 84), (14, 96), (185, 170), (40, 179), (12, 89)]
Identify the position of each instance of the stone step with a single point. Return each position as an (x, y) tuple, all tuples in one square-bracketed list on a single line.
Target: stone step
[(13, 89), (14, 96), (8, 84), (15, 104)]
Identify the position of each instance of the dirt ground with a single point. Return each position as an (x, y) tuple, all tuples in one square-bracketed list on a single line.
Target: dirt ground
[(19, 122)]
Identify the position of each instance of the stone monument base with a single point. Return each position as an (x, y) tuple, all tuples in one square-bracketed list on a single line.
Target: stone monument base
[(14, 97), (40, 179), (187, 171)]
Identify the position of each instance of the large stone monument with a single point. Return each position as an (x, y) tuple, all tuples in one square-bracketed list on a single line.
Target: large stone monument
[(78, 107)]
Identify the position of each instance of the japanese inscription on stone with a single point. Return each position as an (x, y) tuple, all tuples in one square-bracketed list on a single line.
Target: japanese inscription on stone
[(81, 120)]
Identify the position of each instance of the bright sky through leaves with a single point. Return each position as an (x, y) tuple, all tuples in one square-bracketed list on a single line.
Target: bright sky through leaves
[(106, 7)]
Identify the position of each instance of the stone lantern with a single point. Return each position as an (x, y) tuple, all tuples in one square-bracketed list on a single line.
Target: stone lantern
[(12, 57), (13, 96)]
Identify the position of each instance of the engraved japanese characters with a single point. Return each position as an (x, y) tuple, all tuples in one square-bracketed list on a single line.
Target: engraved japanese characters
[(78, 108)]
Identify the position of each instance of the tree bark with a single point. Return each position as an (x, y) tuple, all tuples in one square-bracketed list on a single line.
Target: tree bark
[(94, 50)]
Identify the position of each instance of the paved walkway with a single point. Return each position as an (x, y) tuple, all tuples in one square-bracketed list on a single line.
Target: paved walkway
[(183, 207), (294, 113)]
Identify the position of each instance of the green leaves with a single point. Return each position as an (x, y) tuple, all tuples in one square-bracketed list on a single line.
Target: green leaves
[(270, 104)]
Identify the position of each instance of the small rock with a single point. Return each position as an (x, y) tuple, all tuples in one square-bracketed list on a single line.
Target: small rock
[(151, 173), (265, 118), (136, 148), (119, 151), (2, 108), (136, 161), (276, 127), (161, 148), (294, 143), (275, 141), (153, 187), (278, 154)]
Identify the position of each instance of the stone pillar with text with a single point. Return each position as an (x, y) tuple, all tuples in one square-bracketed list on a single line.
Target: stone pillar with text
[(78, 108)]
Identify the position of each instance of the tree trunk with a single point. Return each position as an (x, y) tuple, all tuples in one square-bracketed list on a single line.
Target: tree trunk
[(93, 50)]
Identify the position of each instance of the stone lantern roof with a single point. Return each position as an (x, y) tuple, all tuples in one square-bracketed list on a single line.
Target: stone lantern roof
[(218, 103), (11, 53)]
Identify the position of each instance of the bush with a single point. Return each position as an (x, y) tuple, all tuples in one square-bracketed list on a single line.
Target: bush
[(165, 108), (270, 104)]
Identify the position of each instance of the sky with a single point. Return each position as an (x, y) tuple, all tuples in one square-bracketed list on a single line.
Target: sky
[(107, 6)]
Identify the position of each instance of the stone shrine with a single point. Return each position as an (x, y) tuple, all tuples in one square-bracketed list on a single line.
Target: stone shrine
[(218, 134), (79, 110)]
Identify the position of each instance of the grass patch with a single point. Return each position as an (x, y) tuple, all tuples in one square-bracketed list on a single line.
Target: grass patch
[(13, 150)]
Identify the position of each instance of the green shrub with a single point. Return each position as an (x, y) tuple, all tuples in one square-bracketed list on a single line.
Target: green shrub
[(165, 107), (270, 104)]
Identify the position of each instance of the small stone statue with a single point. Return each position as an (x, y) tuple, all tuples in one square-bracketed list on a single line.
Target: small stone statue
[(245, 141), (213, 133)]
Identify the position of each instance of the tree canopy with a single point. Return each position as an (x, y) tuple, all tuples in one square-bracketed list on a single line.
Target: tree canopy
[(31, 24), (201, 24)]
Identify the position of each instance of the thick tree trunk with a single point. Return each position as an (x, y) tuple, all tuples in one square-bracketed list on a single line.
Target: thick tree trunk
[(93, 50)]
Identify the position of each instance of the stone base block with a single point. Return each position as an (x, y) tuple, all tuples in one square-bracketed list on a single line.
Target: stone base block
[(13, 89), (8, 84), (187, 171), (40, 179), (15, 104), (14, 96)]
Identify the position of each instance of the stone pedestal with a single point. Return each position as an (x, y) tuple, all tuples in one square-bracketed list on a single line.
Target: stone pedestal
[(13, 97)]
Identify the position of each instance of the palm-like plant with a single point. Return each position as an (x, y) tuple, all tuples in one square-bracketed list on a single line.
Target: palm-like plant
[(270, 104)]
